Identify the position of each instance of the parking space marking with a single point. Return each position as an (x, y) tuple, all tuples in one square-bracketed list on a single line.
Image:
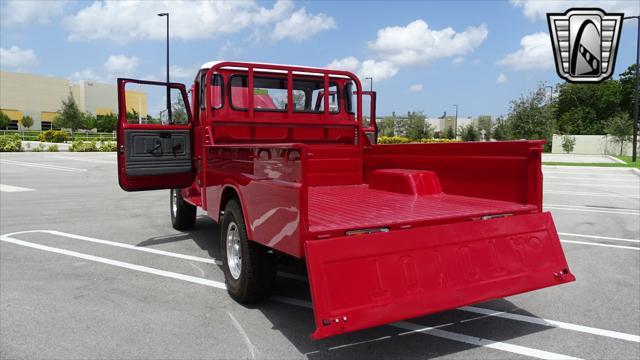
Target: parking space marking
[(245, 337), (42, 166), (592, 185), (553, 323), (600, 244), (593, 209), (11, 188), (632, 179), (307, 304), (118, 244), (599, 237), (472, 340), (579, 193), (91, 160)]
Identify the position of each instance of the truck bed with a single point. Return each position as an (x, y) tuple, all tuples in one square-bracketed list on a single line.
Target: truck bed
[(348, 207)]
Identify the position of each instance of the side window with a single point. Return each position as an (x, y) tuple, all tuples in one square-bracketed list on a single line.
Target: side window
[(269, 94), (217, 96), (349, 98), (217, 99), (147, 104), (308, 96)]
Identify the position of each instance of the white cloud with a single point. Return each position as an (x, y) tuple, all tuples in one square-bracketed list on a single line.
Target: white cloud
[(534, 53), (458, 60), (122, 21), (302, 26), (86, 74), (378, 70), (417, 44), (179, 72), (502, 78), (26, 12), (416, 88), (537, 10), (14, 57), (121, 64)]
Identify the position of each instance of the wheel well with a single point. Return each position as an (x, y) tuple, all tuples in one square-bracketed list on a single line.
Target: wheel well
[(227, 194)]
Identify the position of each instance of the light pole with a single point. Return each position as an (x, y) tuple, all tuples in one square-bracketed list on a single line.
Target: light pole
[(370, 83), (168, 89), (634, 145), (456, 106)]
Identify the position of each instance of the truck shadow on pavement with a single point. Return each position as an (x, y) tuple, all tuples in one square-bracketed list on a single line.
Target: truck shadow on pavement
[(296, 323)]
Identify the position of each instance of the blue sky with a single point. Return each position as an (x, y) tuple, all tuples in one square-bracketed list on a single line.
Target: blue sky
[(424, 56)]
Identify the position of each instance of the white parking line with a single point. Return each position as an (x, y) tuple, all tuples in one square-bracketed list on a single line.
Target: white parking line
[(631, 179), (473, 340), (593, 209), (42, 166), (591, 194), (600, 244), (549, 183), (91, 160), (599, 237), (553, 323), (289, 275), (11, 188)]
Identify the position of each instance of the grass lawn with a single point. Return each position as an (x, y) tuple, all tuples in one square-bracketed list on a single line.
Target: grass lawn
[(626, 159)]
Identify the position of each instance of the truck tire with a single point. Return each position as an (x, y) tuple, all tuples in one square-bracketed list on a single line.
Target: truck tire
[(183, 214), (249, 269)]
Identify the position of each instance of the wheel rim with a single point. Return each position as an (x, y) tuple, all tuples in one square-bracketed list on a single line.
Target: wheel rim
[(174, 202), (234, 252)]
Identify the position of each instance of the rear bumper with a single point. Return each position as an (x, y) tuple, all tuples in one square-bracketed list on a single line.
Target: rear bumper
[(369, 280)]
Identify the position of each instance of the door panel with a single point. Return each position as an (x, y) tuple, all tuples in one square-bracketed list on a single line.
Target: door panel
[(157, 153), (155, 147)]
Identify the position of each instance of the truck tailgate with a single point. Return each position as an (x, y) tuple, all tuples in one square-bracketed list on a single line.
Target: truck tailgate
[(373, 279)]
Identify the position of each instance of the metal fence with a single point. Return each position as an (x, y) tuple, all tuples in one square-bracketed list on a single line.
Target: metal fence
[(32, 135)]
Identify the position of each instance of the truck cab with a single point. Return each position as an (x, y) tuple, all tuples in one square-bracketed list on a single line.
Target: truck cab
[(285, 159)]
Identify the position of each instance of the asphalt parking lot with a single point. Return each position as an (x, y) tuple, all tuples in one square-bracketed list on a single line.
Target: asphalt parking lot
[(90, 271)]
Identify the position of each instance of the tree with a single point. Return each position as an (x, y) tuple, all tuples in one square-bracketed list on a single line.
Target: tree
[(179, 112), (88, 121), (500, 130), (568, 143), (620, 127), (450, 133), (4, 120), (387, 126), (27, 121), (416, 126), (469, 133), (584, 108), (530, 117), (627, 82), (70, 115), (106, 123)]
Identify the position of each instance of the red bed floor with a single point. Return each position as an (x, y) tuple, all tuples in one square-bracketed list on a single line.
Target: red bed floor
[(347, 207)]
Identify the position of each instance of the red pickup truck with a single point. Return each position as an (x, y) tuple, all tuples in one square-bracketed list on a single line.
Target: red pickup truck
[(279, 156)]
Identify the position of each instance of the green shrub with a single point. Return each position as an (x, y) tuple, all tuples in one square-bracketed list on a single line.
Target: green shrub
[(106, 146), (39, 148), (52, 148), (55, 136), (393, 140), (81, 146), (10, 143)]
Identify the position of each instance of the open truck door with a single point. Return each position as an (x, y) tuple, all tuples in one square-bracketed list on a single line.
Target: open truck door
[(381, 276), (154, 152)]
